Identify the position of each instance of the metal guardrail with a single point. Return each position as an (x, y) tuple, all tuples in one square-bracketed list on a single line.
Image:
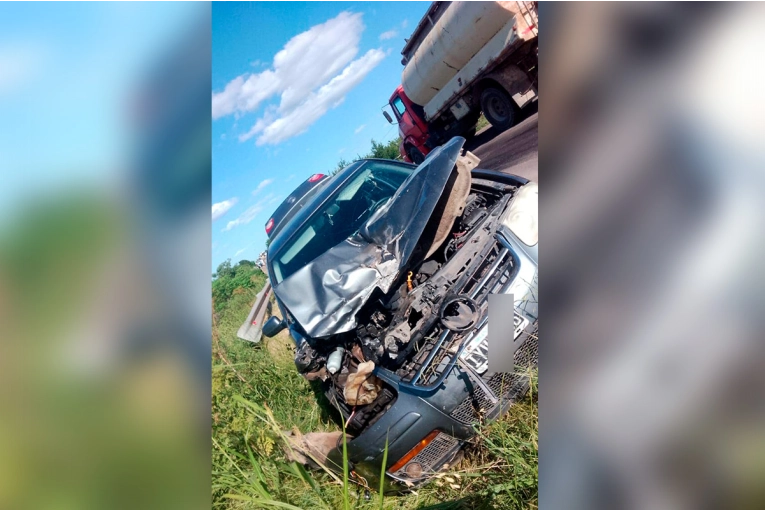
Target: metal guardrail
[(252, 330)]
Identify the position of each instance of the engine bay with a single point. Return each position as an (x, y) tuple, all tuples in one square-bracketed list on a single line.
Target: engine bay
[(442, 290)]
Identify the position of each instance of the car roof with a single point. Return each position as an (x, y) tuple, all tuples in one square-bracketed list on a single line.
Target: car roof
[(294, 202)]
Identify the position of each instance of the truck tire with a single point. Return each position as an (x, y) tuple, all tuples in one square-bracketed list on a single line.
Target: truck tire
[(498, 108), (415, 155)]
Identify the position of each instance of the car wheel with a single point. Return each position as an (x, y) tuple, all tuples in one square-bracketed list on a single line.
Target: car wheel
[(498, 108), (416, 155)]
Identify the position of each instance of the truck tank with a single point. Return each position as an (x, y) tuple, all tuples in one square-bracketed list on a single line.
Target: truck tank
[(462, 30)]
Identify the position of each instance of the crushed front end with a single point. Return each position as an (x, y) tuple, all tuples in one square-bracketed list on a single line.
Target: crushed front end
[(401, 350)]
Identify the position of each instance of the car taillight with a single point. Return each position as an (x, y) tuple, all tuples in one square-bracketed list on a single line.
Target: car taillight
[(315, 177), (269, 226)]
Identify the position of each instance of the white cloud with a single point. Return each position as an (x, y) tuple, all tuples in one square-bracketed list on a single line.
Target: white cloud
[(263, 184), (318, 103), (243, 94), (222, 208), (250, 213), (390, 34), (311, 74), (239, 252), (404, 23), (359, 129)]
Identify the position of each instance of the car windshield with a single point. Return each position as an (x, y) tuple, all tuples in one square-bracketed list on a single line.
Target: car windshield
[(341, 216)]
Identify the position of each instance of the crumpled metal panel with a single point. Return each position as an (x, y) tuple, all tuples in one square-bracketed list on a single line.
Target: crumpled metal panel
[(326, 294)]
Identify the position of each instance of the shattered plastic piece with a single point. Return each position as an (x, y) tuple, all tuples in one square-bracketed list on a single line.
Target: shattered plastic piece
[(362, 387)]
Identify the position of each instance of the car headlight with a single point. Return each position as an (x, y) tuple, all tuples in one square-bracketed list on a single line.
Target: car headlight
[(522, 217)]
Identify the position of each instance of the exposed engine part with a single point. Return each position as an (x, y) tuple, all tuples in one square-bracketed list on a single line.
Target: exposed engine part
[(357, 353), (369, 335), (396, 337), (372, 347), (427, 270), (474, 213), (335, 360), (307, 359), (459, 313)]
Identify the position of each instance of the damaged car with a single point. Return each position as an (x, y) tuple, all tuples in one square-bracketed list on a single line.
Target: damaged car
[(382, 274)]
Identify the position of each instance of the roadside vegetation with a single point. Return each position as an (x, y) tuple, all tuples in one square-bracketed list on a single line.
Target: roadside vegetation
[(379, 150), (389, 150), (258, 395)]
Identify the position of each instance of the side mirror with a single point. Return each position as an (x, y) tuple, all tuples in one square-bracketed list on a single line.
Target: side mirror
[(387, 117), (273, 326)]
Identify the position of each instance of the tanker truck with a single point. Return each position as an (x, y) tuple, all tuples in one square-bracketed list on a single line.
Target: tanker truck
[(464, 58)]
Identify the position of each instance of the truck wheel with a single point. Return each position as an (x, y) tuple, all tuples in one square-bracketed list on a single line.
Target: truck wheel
[(498, 108), (415, 155)]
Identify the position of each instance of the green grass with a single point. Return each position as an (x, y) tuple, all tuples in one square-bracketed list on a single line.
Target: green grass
[(482, 123), (258, 395)]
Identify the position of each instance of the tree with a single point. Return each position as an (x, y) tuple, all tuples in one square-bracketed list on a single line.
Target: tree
[(228, 278), (385, 150), (379, 150), (224, 269)]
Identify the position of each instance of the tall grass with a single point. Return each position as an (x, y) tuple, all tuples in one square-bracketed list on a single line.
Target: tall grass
[(258, 395)]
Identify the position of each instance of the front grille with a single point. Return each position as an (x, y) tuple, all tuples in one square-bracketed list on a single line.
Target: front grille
[(505, 386), (431, 458), (466, 411), (490, 272)]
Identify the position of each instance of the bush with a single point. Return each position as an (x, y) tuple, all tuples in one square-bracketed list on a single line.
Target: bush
[(228, 279)]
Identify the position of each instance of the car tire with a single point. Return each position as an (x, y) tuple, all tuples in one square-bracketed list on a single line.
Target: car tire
[(415, 155), (498, 108)]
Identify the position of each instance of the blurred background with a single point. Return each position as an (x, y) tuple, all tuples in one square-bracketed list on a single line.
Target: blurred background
[(105, 255), (653, 213), (652, 153)]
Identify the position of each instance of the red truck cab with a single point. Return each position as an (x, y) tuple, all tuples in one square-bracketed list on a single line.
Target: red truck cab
[(411, 127)]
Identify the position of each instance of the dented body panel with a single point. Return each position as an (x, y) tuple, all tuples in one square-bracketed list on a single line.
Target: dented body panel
[(325, 295)]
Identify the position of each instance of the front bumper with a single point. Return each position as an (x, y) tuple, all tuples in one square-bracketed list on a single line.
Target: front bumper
[(452, 400)]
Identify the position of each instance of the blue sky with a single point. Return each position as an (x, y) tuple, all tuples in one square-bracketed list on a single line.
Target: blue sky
[(296, 87), (68, 73)]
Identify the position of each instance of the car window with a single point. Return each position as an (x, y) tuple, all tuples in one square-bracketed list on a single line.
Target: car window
[(399, 104), (340, 217)]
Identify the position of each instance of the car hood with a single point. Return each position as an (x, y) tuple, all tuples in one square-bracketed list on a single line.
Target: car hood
[(325, 295)]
